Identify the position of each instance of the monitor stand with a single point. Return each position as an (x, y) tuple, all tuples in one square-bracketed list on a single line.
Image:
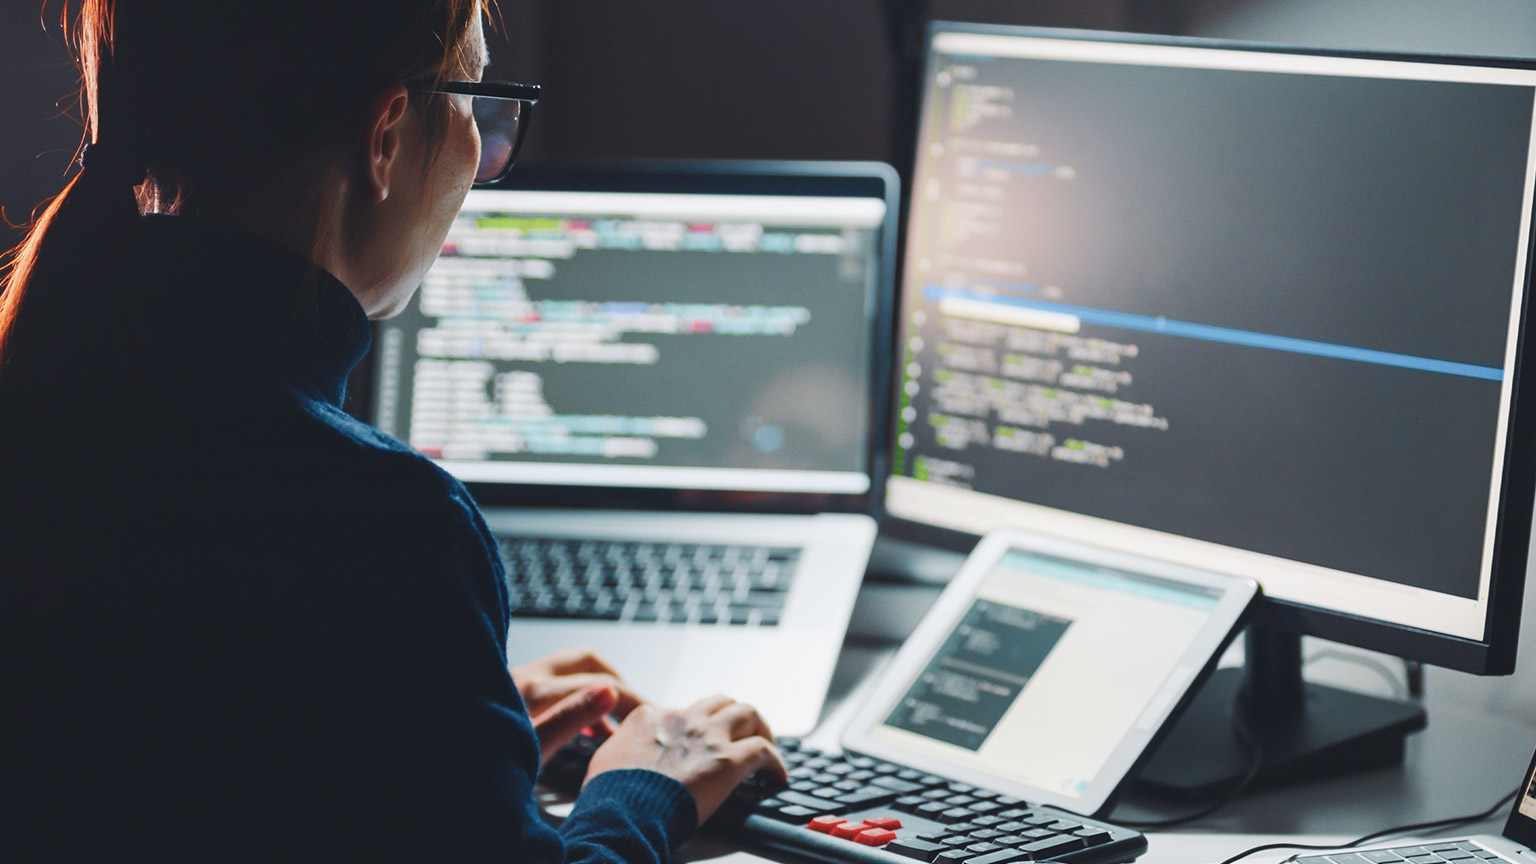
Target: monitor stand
[(1307, 731)]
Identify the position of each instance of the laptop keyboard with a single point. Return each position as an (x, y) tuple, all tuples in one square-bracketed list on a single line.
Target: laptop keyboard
[(1451, 851), (648, 583), (863, 811)]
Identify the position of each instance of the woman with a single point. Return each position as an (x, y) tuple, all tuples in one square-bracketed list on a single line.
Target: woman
[(239, 624)]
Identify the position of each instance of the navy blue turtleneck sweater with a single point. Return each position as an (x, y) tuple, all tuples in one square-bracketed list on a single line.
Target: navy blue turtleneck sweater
[(235, 622)]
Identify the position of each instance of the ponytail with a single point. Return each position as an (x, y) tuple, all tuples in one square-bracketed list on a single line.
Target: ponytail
[(85, 221)]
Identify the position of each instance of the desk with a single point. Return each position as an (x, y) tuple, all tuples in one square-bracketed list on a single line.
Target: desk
[(1460, 764)]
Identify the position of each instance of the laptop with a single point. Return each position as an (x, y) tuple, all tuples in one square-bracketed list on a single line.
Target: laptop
[(663, 384), (1516, 845)]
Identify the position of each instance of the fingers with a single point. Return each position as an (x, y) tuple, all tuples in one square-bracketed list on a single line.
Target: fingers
[(578, 660), (756, 754), (558, 725), (710, 705), (544, 692), (744, 721)]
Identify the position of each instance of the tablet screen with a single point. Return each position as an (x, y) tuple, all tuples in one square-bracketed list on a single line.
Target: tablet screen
[(1049, 669)]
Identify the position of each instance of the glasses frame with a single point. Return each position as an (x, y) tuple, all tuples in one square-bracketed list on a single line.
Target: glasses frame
[(513, 91)]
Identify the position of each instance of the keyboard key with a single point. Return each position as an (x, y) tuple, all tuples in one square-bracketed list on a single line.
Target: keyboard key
[(825, 824), (1053, 846), (1001, 856), (952, 856), (847, 830), (1098, 836), (895, 784), (867, 798), (987, 821), (921, 850), (814, 804), (956, 814), (792, 813), (960, 828), (889, 823), (982, 848), (875, 837)]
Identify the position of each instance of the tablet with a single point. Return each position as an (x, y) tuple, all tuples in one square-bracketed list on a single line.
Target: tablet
[(1047, 669)]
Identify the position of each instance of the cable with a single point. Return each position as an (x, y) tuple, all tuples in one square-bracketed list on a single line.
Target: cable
[(1399, 689), (1442, 823), (1256, 761), (1268, 846), (1237, 789), (1401, 829)]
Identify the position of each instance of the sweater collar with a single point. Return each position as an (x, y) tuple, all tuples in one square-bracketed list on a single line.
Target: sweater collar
[(235, 293)]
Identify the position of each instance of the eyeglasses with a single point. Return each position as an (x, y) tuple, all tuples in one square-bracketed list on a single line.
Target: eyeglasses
[(501, 110)]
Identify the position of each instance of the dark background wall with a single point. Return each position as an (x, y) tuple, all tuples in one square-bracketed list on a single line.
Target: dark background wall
[(816, 79)]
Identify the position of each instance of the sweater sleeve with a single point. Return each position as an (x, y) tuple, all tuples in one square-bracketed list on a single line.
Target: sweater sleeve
[(472, 777)]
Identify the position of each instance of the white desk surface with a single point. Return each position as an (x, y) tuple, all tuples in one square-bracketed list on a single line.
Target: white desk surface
[(1461, 764)]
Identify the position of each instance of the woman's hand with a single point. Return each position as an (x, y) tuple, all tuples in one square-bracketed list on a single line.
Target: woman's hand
[(570, 691), (709, 747)]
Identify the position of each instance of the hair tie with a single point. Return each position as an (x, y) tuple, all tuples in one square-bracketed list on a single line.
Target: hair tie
[(112, 164)]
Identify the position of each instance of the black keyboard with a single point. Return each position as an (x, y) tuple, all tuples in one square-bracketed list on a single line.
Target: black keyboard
[(1451, 851), (648, 583), (846, 808)]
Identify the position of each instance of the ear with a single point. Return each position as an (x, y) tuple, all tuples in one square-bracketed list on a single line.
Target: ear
[(386, 129)]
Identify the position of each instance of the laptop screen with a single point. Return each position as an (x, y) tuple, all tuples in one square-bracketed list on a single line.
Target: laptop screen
[(1521, 826), (665, 338)]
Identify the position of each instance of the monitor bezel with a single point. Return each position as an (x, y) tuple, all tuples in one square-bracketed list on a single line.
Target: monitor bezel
[(720, 177), (1492, 655)]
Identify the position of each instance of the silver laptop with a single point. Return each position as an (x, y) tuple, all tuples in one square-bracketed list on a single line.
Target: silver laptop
[(1516, 845), (663, 385)]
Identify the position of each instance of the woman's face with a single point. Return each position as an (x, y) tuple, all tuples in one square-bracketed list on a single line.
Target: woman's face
[(412, 222)]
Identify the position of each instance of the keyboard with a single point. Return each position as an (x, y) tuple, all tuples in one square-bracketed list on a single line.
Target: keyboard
[(1451, 851), (648, 583), (854, 809)]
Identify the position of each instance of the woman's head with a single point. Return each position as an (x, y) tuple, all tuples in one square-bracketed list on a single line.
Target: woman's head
[(287, 117)]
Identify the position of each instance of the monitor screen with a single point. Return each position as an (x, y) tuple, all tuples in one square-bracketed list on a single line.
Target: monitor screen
[(1254, 311), (665, 340)]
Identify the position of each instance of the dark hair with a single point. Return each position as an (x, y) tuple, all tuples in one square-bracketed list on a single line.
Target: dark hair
[(188, 103)]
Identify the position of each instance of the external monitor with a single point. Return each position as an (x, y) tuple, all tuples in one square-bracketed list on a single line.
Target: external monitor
[(1251, 309)]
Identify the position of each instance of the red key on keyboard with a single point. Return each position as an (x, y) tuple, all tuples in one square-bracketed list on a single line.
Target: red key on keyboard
[(875, 837)]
